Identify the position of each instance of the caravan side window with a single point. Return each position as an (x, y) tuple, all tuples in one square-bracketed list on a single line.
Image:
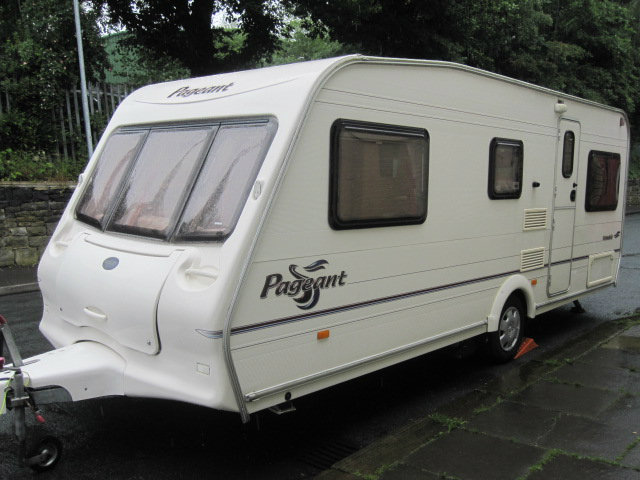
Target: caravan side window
[(505, 168), (379, 175), (567, 153), (603, 181)]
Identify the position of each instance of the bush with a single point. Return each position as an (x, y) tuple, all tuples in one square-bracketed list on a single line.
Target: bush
[(21, 165)]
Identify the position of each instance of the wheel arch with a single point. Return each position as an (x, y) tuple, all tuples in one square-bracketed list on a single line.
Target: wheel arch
[(515, 285)]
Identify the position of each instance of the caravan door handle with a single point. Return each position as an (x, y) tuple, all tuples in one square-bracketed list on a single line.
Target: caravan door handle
[(572, 196)]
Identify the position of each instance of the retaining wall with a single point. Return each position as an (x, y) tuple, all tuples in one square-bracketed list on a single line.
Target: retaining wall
[(29, 213)]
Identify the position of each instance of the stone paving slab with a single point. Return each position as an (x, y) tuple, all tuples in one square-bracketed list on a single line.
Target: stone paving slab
[(632, 458), (474, 456), (571, 468), (332, 474), (608, 357), (390, 449), (515, 421), (583, 436), (585, 401), (624, 413), (627, 343), (598, 376), (407, 472)]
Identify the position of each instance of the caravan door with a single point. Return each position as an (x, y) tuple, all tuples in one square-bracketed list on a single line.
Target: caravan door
[(564, 208)]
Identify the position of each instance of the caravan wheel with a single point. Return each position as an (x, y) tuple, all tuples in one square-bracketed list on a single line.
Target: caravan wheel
[(504, 343), (46, 454)]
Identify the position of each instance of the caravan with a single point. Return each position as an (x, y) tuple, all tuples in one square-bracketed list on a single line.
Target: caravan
[(241, 240)]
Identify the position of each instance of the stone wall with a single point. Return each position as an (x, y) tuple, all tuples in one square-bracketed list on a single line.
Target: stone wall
[(29, 212)]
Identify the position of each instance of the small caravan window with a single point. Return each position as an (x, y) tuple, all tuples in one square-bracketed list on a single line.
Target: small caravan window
[(176, 181), (567, 154), (379, 175), (603, 181), (505, 168)]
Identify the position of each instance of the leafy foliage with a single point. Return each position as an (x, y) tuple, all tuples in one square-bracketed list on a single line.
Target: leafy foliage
[(183, 30), (19, 165), (135, 65), (298, 43), (38, 61), (584, 47)]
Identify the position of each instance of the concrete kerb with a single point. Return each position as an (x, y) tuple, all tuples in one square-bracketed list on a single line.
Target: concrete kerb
[(15, 280), (22, 288)]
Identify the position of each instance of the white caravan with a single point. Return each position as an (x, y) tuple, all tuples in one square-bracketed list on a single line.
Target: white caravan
[(240, 240)]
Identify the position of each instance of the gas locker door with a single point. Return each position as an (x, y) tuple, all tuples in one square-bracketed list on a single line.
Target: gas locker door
[(564, 207)]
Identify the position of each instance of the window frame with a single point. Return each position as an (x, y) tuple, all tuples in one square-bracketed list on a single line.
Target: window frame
[(495, 142), (337, 127), (588, 207)]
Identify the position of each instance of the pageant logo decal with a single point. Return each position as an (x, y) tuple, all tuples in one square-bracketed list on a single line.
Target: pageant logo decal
[(303, 289)]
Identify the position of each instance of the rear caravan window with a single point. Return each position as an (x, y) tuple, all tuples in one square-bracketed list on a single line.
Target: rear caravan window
[(603, 181), (379, 175), (505, 168), (186, 182)]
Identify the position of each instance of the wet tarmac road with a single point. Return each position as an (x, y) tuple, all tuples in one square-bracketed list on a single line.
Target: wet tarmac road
[(123, 438)]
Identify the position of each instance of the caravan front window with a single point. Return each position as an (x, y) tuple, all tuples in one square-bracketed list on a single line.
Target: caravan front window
[(103, 186), (193, 180), (225, 181), (159, 180)]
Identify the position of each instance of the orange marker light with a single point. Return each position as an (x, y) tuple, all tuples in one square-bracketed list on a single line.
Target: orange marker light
[(534, 282), (322, 334)]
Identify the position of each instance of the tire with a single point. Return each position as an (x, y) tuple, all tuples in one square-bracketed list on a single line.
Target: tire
[(504, 343), (50, 449)]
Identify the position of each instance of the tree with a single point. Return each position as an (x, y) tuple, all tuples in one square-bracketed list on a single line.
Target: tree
[(134, 65), (592, 51), (38, 62), (298, 43), (184, 30), (583, 47)]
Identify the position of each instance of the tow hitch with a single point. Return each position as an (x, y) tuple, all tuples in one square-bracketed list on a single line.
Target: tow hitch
[(15, 396)]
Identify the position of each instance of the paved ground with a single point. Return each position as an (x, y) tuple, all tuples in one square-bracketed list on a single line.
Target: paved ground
[(574, 415)]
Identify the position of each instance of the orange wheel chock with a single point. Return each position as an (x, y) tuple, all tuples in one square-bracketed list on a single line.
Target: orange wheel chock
[(528, 344)]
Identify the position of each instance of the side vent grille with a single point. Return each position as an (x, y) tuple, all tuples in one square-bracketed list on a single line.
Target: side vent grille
[(535, 219), (531, 259)]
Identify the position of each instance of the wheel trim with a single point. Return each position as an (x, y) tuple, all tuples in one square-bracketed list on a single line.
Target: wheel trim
[(509, 328), (50, 453)]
